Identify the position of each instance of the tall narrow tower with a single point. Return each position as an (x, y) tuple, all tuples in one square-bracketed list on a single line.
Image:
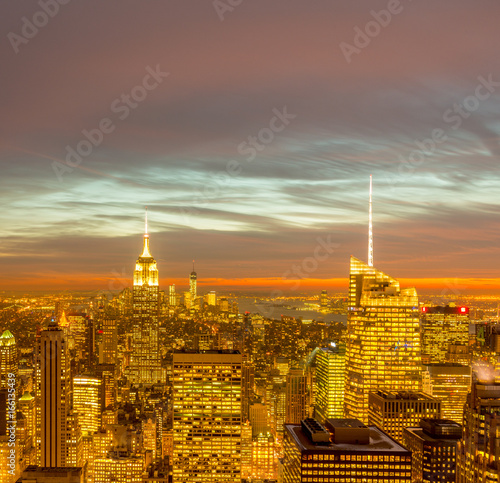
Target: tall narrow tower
[(192, 284), (146, 362), (370, 226), (53, 397)]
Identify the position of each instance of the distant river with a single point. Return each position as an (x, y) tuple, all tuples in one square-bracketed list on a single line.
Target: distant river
[(248, 304)]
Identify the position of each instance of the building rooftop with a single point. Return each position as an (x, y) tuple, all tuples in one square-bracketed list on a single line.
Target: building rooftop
[(448, 368), (379, 443), (403, 395), (7, 339)]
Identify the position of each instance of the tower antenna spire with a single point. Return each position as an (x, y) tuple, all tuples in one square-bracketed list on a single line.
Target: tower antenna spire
[(370, 226), (146, 222), (193, 265)]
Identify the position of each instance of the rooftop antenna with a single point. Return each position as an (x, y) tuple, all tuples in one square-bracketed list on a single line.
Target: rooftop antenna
[(146, 224), (370, 227)]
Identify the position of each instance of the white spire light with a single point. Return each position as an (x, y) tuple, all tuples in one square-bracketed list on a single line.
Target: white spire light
[(370, 227)]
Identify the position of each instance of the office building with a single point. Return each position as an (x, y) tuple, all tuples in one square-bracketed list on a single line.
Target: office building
[(342, 451), (478, 452), (53, 397), (207, 416), (119, 466), (87, 401), (383, 338), (394, 411), (297, 407), (444, 330), (330, 382), (450, 383), (8, 358), (433, 444), (109, 341)]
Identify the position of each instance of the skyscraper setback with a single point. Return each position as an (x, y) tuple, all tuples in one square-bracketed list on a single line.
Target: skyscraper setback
[(146, 362), (383, 338)]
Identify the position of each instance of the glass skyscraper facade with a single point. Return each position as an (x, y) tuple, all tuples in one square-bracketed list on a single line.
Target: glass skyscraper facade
[(383, 338)]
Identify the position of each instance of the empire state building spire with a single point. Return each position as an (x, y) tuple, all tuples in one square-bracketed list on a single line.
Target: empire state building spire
[(145, 251)]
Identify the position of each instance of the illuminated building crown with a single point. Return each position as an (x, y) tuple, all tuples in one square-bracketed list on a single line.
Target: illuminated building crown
[(146, 270)]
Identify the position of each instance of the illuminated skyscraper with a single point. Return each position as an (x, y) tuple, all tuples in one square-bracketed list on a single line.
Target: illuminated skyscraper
[(394, 411), (207, 417), (383, 344), (478, 453), (53, 397), (192, 284), (109, 342), (87, 402), (8, 357), (450, 383), (444, 329), (296, 397), (146, 362), (330, 381)]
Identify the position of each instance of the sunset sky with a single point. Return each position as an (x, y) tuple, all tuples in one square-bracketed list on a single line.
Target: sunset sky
[(433, 68)]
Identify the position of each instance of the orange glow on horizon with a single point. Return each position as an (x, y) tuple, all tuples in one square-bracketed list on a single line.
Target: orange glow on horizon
[(88, 282)]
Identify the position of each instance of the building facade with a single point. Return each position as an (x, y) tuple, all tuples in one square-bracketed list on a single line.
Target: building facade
[(394, 411), (433, 444), (478, 455), (450, 383), (207, 421), (330, 382), (343, 451), (383, 338), (445, 332), (146, 361)]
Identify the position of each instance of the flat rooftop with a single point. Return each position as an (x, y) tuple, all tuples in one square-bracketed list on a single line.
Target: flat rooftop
[(379, 443), (428, 438), (403, 396)]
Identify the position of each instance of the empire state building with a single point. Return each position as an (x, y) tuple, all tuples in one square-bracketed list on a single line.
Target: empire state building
[(146, 362)]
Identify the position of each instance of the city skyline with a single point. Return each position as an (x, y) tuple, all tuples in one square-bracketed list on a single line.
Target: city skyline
[(250, 214)]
